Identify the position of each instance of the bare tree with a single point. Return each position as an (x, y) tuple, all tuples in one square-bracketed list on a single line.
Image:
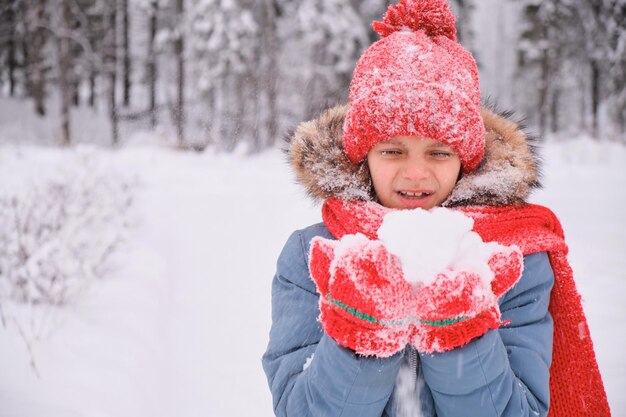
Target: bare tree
[(64, 63), (463, 10), (179, 48), (546, 49), (335, 35), (151, 66), (8, 35), (270, 67), (606, 49), (126, 54), (36, 62), (96, 23), (110, 60)]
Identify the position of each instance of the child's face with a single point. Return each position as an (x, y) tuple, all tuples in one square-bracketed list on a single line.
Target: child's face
[(410, 172)]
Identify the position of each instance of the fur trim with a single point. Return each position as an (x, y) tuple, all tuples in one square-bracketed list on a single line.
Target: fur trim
[(507, 174), (317, 157)]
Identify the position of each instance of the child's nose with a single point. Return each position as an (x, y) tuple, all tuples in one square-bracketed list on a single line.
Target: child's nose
[(416, 170)]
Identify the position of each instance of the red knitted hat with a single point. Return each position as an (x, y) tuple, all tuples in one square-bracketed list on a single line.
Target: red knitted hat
[(416, 81)]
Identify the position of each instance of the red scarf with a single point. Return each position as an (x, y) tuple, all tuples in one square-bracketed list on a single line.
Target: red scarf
[(576, 387)]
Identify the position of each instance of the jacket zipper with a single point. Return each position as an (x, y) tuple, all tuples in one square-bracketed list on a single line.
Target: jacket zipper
[(414, 364)]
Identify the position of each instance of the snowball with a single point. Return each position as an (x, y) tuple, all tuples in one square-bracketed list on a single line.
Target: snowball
[(429, 242)]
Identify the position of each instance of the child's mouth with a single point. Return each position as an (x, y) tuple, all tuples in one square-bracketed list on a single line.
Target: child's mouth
[(410, 194), (415, 199)]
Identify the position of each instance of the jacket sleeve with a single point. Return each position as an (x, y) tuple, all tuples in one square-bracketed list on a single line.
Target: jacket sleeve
[(504, 373), (308, 372)]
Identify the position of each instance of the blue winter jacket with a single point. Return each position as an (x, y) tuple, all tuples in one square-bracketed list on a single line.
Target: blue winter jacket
[(502, 373)]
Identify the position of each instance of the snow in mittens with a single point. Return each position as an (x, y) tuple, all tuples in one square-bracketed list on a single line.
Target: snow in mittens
[(347, 244), (430, 241)]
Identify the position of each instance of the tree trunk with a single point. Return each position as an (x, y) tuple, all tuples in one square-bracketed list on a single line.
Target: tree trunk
[(595, 97), (23, 10), (225, 137), (179, 47), (240, 121), (92, 88), (311, 89), (75, 86), (11, 46), (211, 119), (257, 134), (151, 62), (555, 102), (583, 125), (126, 55), (461, 9), (621, 117), (543, 92), (36, 59), (271, 70), (64, 68), (111, 69)]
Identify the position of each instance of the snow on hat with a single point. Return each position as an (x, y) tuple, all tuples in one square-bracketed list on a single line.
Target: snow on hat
[(416, 81)]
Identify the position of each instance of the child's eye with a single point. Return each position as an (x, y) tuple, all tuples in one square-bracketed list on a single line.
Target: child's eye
[(390, 152), (441, 154)]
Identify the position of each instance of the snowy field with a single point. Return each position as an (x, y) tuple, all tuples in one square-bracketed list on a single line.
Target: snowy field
[(179, 326)]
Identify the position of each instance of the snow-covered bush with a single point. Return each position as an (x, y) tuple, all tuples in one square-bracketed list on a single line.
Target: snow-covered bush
[(57, 232)]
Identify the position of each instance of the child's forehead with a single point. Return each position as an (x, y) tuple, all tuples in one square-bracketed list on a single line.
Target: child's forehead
[(422, 140)]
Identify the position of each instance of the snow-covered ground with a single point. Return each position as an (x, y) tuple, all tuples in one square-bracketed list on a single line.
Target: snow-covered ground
[(180, 326)]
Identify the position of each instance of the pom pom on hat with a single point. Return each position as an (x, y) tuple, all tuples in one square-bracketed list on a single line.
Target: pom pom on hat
[(431, 16), (417, 80)]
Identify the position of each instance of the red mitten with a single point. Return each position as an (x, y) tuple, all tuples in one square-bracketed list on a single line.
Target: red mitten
[(459, 306), (365, 302)]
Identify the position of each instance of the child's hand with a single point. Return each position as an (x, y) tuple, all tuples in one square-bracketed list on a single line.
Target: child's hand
[(364, 300), (459, 306)]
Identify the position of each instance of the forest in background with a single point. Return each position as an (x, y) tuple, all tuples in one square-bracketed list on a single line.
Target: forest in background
[(225, 73)]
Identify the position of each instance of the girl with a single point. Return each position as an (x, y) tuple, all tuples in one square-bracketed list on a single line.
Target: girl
[(350, 335)]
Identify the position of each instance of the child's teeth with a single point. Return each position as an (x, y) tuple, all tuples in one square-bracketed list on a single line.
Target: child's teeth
[(414, 194)]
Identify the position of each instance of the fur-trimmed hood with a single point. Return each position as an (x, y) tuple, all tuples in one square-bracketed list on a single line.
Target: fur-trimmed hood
[(507, 174)]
